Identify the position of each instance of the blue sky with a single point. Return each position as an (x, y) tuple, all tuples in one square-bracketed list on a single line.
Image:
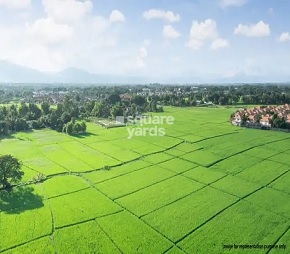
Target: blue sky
[(165, 40)]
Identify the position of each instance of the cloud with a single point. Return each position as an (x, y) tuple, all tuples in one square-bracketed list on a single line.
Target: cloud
[(200, 32), (232, 3), (219, 43), (254, 30), (48, 32), (284, 37), (15, 4), (161, 14), (143, 52), (67, 11), (170, 33), (140, 61), (146, 42), (117, 16)]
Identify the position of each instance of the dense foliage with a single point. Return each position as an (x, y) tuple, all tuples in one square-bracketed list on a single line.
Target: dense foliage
[(9, 171)]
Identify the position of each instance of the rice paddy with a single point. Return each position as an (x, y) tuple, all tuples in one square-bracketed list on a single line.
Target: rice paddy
[(204, 186)]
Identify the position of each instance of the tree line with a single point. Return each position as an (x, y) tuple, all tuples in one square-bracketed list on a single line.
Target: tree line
[(63, 118)]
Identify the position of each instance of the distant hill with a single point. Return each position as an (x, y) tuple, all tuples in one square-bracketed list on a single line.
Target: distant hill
[(12, 73)]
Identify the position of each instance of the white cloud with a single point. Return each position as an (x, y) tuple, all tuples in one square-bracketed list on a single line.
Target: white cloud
[(284, 37), (161, 14), (117, 16), (143, 52), (67, 11), (170, 33), (200, 32), (15, 4), (140, 61), (232, 3), (146, 43), (48, 32), (219, 43), (260, 29)]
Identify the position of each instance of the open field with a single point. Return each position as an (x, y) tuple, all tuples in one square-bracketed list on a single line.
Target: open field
[(203, 185)]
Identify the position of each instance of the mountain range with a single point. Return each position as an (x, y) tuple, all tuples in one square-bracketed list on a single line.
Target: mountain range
[(13, 73)]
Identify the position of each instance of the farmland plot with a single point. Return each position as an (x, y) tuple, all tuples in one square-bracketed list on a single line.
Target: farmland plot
[(177, 165), (59, 156), (203, 185), (60, 185), (202, 157), (181, 217), (24, 224), (132, 235), (103, 175), (159, 195), (264, 172), (204, 175), (282, 183), (119, 186), (81, 206), (83, 238), (85, 153), (226, 228), (39, 246), (235, 164)]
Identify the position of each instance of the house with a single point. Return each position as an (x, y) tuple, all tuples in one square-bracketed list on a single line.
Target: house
[(251, 118), (265, 121)]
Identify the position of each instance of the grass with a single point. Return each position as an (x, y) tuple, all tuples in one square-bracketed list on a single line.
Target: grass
[(248, 225), (177, 165), (102, 175), (61, 185), (81, 206), (132, 235), (235, 186), (204, 175), (158, 195), (21, 225), (202, 157), (40, 246), (282, 183), (119, 186), (179, 218), (264, 172), (88, 155), (204, 184), (272, 200), (87, 237)]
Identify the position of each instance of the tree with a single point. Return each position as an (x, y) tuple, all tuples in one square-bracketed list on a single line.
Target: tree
[(45, 108), (77, 128), (139, 100), (65, 117), (257, 118), (23, 110), (10, 170), (114, 98), (116, 110), (84, 126), (35, 111), (69, 128)]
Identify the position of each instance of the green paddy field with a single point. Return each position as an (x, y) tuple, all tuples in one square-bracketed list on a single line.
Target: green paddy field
[(204, 187)]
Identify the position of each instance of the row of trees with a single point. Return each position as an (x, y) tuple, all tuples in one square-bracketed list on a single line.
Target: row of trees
[(114, 106), (63, 117), (21, 118)]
